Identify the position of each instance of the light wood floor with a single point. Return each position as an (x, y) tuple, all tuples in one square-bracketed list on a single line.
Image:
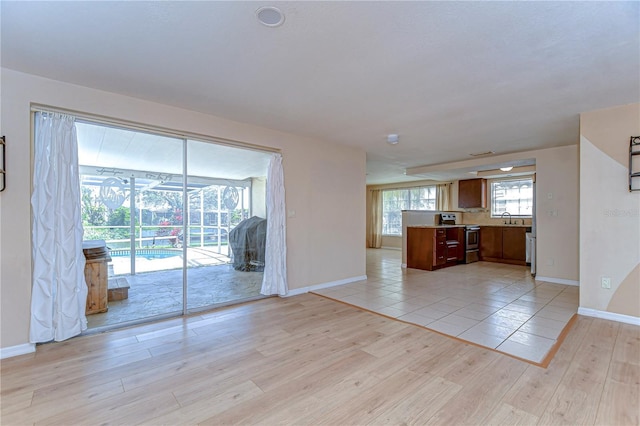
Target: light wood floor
[(311, 360)]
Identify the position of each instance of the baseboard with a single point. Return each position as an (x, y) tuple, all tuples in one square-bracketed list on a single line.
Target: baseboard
[(558, 280), (297, 291), (627, 319), (11, 351), (392, 248)]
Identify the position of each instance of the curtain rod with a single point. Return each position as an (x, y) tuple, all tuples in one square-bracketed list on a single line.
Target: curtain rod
[(156, 130)]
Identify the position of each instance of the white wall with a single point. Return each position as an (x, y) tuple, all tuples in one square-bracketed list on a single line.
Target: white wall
[(324, 183), (557, 213), (609, 213)]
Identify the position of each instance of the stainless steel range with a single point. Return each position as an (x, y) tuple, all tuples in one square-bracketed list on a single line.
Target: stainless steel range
[(472, 243)]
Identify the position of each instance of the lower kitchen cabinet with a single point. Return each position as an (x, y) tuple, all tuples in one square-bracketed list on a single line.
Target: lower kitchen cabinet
[(490, 242), (505, 244), (514, 244), (434, 248)]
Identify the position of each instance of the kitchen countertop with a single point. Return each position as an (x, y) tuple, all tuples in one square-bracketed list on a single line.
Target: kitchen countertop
[(436, 226), (509, 226), (462, 226)]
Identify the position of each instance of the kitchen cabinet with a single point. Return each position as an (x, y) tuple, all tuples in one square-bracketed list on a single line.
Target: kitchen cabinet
[(490, 242), (505, 244), (514, 244), (434, 248), (472, 193)]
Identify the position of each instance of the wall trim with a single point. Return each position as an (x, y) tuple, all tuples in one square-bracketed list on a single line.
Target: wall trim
[(558, 280), (297, 291), (627, 319), (12, 351), (391, 248)]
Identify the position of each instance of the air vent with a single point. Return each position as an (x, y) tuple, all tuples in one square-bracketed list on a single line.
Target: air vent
[(481, 154)]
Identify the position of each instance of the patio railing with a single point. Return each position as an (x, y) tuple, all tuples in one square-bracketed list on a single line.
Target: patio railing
[(158, 236)]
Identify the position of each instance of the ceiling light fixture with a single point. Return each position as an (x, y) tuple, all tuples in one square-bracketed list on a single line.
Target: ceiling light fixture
[(506, 169), (500, 173), (393, 139), (270, 16)]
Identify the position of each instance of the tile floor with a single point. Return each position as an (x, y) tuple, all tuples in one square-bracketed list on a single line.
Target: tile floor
[(490, 304)]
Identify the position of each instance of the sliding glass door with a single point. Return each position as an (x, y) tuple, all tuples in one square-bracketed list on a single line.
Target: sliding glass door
[(183, 221), (222, 207), (131, 184)]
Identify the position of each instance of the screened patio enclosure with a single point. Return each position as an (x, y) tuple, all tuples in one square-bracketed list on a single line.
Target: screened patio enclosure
[(166, 207), (155, 229)]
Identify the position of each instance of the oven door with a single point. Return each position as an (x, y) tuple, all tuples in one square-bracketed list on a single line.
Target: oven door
[(473, 239)]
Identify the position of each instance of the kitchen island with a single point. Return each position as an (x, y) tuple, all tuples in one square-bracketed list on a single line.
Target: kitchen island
[(432, 247)]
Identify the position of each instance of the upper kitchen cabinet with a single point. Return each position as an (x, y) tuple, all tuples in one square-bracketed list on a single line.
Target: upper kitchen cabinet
[(472, 194)]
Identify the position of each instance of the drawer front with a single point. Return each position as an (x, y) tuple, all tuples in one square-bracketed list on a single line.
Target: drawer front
[(440, 252), (453, 251)]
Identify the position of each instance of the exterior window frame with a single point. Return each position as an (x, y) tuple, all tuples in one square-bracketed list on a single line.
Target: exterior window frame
[(409, 203), (529, 201)]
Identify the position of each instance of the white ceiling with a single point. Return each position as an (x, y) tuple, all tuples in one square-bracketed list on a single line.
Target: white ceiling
[(110, 147), (451, 78)]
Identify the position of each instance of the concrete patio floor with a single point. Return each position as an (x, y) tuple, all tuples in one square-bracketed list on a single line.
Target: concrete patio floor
[(160, 292)]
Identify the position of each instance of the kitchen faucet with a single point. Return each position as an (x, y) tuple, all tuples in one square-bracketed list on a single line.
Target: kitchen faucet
[(505, 222)]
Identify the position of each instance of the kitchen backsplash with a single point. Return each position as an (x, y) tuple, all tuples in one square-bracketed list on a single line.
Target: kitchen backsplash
[(484, 218)]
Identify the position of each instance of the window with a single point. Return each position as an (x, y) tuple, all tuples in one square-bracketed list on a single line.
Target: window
[(396, 200), (512, 196)]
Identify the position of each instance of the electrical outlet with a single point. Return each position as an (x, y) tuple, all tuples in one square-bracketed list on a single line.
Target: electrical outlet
[(606, 282)]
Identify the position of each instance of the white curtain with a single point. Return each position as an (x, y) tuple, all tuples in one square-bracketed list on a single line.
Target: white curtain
[(59, 291), (274, 280), (443, 196), (375, 220)]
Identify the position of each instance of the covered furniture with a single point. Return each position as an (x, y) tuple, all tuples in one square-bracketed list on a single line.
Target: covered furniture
[(247, 241)]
